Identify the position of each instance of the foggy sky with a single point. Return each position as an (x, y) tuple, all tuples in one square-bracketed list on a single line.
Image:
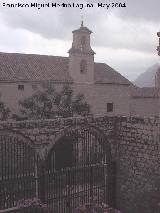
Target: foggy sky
[(124, 38)]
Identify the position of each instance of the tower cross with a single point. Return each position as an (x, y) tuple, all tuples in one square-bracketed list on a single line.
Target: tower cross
[(82, 18)]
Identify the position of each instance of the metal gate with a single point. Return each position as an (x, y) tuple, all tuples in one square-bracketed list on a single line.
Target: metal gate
[(19, 165), (76, 170)]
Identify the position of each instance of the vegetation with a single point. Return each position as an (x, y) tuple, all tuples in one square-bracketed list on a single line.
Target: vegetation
[(48, 103), (96, 208), (4, 112)]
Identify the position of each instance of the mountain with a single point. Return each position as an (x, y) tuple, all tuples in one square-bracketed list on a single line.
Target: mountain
[(147, 79)]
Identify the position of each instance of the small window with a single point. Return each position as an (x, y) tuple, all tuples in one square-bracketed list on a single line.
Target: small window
[(34, 86), (83, 40), (83, 67), (109, 107), (20, 87)]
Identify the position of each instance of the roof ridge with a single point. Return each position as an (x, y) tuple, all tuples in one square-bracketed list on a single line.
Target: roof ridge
[(32, 54)]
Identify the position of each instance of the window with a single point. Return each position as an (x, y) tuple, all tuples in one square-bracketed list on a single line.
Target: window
[(109, 107), (20, 87), (83, 42), (83, 67), (34, 86)]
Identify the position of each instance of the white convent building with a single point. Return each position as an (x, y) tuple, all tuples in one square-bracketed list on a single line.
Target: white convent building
[(106, 90)]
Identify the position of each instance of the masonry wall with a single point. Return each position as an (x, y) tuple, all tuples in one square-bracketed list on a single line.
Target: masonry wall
[(138, 170), (135, 147), (44, 132)]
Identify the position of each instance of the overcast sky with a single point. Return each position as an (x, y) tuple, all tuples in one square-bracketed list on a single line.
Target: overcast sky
[(124, 38)]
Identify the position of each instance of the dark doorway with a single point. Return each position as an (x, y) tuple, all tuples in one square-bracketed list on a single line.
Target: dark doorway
[(63, 153)]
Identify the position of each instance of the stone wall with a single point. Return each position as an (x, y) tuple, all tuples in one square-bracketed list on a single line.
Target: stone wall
[(46, 132), (135, 147), (138, 170)]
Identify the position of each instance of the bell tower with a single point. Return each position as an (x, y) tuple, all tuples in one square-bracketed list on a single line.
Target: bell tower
[(81, 56)]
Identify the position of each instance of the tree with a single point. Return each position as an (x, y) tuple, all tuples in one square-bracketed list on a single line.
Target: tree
[(4, 112), (49, 103)]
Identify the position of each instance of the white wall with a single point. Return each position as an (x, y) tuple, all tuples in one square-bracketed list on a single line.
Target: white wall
[(97, 95), (145, 107)]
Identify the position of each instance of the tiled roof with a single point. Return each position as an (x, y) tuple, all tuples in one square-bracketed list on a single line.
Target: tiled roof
[(29, 67), (19, 67), (82, 30), (145, 92), (106, 74)]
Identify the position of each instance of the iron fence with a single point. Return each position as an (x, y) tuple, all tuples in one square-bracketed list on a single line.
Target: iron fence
[(74, 172)]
